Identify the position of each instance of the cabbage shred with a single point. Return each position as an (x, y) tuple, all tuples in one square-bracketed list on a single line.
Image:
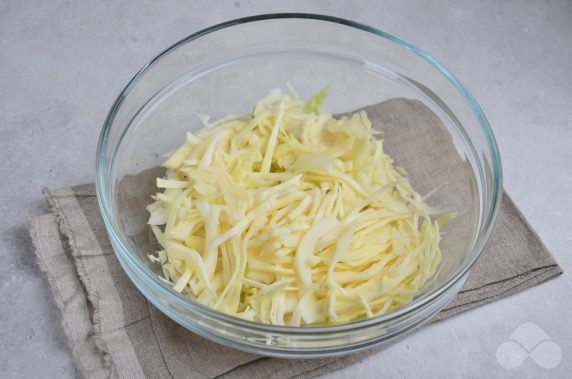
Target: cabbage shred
[(289, 216)]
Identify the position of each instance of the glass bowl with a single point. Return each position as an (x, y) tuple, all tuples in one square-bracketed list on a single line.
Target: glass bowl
[(226, 69)]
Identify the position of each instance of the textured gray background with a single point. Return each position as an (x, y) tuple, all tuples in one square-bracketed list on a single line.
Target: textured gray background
[(63, 62)]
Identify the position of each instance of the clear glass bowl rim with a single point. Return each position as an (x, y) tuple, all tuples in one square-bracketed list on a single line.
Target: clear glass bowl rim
[(488, 218)]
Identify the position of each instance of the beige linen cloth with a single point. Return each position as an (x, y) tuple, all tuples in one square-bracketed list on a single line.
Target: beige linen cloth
[(114, 332)]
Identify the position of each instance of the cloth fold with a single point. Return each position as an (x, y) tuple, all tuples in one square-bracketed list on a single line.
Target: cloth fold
[(114, 332)]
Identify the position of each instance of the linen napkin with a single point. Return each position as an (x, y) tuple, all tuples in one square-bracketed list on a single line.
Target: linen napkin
[(114, 332)]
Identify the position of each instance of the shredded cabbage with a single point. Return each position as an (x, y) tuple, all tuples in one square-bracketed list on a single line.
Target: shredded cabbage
[(289, 216)]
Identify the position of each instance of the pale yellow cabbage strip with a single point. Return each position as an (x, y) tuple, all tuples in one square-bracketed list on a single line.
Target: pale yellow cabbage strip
[(290, 216)]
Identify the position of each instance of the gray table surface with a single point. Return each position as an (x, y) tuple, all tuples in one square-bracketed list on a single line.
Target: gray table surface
[(63, 62)]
